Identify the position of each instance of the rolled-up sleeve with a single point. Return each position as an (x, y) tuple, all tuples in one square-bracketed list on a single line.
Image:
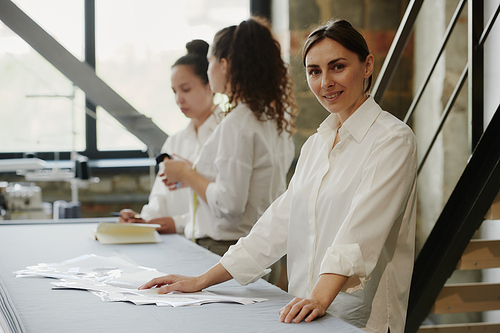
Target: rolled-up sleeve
[(376, 211), (241, 265), (248, 259)]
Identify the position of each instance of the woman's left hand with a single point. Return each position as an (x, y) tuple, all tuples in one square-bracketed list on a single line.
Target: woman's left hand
[(174, 172), (324, 292), (181, 171), (301, 309)]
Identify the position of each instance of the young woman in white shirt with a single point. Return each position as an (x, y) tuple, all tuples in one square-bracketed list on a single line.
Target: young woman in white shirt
[(347, 219), (195, 99), (242, 167)]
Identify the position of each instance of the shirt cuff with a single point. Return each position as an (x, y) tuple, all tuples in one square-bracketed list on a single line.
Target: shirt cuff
[(147, 213), (241, 265), (180, 222), (346, 260)]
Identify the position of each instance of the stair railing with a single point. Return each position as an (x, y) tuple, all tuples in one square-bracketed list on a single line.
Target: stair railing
[(480, 182)]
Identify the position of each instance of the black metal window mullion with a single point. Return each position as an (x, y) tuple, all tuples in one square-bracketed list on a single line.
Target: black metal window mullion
[(476, 70), (91, 150), (90, 58)]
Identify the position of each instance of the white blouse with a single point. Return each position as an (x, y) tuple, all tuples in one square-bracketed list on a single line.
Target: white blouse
[(349, 210), (187, 144), (246, 161)]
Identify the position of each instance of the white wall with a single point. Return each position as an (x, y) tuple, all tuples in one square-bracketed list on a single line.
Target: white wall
[(492, 69), (491, 229), (429, 30)]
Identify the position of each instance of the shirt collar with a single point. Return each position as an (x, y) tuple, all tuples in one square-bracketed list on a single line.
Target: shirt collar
[(210, 123), (357, 124)]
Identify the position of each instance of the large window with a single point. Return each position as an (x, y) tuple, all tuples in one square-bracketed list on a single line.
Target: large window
[(40, 109), (136, 44)]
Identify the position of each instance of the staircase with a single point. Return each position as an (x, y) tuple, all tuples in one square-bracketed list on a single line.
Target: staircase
[(472, 297), (451, 245)]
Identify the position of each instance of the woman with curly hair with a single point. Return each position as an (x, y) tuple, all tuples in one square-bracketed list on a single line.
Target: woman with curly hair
[(242, 167)]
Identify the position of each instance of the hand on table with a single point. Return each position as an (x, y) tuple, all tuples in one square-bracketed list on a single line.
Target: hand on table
[(324, 292), (215, 275), (301, 309), (167, 225), (174, 282)]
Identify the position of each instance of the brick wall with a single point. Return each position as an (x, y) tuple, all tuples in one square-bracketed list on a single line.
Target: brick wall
[(110, 194), (378, 21)]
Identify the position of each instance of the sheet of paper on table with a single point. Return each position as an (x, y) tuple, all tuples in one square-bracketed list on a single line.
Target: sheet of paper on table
[(116, 280)]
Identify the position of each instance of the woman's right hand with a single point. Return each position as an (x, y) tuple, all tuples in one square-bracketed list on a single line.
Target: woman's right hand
[(188, 284), (174, 282), (129, 216)]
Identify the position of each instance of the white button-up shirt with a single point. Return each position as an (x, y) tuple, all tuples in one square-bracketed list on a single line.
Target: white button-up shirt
[(187, 144), (246, 162), (349, 210)]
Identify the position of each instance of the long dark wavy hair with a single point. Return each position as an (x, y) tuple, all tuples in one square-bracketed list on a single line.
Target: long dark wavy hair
[(257, 74), (345, 34)]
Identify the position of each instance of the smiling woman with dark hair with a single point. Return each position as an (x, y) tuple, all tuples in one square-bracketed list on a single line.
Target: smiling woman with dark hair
[(347, 219)]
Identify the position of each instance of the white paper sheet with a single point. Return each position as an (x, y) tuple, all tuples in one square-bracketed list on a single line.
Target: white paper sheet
[(116, 280)]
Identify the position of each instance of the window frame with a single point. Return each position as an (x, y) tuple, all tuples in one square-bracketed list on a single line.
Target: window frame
[(257, 7)]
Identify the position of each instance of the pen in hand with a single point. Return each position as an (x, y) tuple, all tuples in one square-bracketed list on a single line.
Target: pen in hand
[(135, 216)]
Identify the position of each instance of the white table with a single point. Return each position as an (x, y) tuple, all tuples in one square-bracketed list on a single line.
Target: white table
[(30, 305)]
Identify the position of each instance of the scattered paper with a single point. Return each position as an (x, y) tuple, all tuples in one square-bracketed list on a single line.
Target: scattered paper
[(116, 280)]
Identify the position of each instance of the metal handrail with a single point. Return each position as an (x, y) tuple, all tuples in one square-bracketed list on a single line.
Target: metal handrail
[(488, 27), (396, 50), (447, 35), (472, 196), (444, 115), (459, 220)]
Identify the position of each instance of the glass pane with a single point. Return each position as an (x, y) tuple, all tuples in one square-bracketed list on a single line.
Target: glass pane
[(113, 136), (41, 110), (135, 59)]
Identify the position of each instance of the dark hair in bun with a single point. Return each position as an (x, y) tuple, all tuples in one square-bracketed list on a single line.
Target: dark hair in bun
[(196, 58)]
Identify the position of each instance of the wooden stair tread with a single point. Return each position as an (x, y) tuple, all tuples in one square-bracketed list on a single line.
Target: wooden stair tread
[(480, 254), (468, 297), (494, 211), (461, 328)]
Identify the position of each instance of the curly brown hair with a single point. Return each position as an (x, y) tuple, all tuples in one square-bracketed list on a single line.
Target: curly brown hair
[(257, 73)]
